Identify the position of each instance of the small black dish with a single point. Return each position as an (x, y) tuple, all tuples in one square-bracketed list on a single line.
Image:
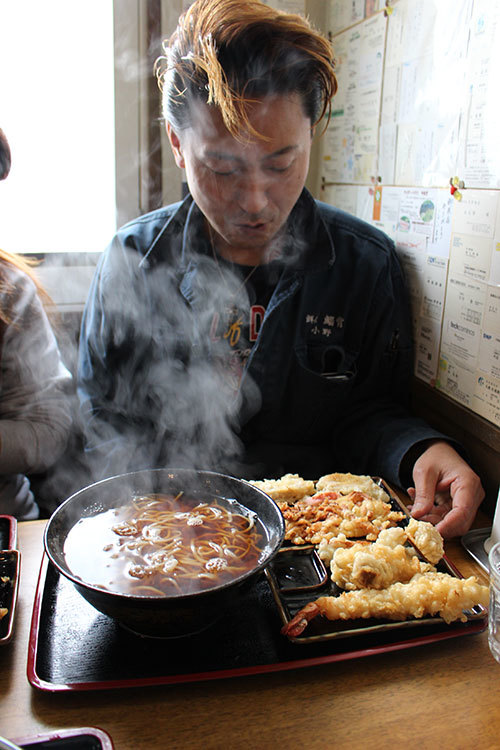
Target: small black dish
[(9, 583)]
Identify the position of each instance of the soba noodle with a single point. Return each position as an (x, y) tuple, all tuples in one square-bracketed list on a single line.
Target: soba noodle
[(162, 545)]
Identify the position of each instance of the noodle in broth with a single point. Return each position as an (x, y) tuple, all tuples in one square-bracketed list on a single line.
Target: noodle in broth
[(161, 545)]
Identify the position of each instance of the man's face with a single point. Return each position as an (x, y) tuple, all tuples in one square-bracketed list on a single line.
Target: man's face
[(246, 190)]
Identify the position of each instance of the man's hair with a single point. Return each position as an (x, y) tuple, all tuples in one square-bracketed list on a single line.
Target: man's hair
[(4, 156), (228, 53)]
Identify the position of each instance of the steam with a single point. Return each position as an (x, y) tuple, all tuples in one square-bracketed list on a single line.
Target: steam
[(173, 403), (171, 397)]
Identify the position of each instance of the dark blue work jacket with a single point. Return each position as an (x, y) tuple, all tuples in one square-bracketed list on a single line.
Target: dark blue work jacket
[(325, 387)]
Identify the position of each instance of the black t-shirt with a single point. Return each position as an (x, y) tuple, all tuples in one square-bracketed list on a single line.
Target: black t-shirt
[(239, 324)]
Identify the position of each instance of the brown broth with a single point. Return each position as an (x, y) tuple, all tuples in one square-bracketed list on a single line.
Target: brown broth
[(158, 545)]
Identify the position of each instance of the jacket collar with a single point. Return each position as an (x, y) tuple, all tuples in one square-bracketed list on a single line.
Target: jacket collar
[(309, 246)]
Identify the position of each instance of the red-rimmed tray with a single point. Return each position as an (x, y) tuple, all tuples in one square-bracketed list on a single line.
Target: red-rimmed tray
[(74, 648), (82, 738), (10, 560)]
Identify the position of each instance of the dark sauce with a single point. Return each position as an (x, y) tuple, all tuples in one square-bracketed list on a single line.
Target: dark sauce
[(162, 546)]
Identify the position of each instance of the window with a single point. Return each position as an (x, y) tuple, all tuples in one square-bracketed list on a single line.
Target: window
[(57, 111)]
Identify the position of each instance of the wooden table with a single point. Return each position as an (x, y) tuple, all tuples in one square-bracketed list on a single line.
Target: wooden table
[(443, 695)]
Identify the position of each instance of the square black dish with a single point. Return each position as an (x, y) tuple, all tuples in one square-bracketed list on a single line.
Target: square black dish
[(297, 576), (9, 584), (312, 580), (9, 576), (8, 532)]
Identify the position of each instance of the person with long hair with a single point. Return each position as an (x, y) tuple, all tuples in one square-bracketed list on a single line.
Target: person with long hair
[(251, 328), (35, 413)]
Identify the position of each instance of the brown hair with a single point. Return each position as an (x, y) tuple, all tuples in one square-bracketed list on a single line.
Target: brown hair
[(5, 158), (230, 52), (26, 266)]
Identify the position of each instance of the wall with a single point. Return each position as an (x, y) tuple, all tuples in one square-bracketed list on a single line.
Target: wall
[(412, 149)]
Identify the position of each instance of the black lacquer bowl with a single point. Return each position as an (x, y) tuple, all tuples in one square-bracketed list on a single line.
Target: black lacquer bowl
[(174, 615)]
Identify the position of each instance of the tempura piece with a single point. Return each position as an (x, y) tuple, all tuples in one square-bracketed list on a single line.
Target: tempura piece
[(426, 594), (344, 484), (391, 537), (376, 565), (327, 514), (326, 549), (288, 489), (3, 612), (427, 540)]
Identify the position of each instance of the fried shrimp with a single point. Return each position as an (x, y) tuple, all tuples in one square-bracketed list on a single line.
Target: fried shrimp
[(425, 594)]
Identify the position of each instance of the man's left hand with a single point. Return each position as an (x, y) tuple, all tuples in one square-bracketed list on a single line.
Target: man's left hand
[(447, 492)]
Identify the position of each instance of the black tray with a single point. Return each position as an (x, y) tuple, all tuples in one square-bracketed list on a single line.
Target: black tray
[(73, 647)]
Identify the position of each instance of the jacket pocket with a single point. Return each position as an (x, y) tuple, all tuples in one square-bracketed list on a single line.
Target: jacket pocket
[(313, 395)]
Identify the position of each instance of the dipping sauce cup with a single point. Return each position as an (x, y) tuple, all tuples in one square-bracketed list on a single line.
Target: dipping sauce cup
[(494, 611)]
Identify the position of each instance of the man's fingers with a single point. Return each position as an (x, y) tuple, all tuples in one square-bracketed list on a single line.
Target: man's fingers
[(426, 478), (455, 523), (422, 506)]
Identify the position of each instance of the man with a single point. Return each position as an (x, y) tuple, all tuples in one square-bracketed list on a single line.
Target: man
[(251, 329)]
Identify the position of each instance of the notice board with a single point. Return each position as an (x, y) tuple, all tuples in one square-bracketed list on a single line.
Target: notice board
[(413, 148)]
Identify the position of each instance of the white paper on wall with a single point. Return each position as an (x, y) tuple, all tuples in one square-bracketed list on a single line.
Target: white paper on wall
[(341, 15), (355, 199), (479, 155), (463, 318), (486, 399), (476, 213), (424, 88), (427, 349), (350, 145), (289, 6), (457, 382), (491, 321), (489, 354), (470, 256)]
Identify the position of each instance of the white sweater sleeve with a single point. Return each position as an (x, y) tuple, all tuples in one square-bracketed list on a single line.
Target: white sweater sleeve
[(35, 408)]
